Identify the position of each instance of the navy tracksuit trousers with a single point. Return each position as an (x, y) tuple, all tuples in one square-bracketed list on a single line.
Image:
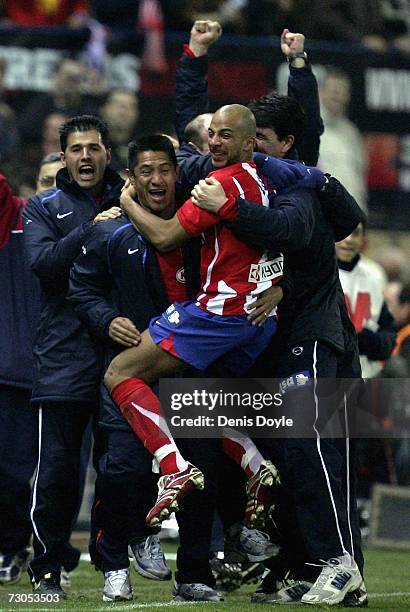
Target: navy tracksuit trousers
[(317, 513), (58, 483), (18, 451)]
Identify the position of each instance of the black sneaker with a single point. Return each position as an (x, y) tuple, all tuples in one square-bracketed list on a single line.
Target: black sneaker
[(195, 591), (357, 598), (228, 576), (243, 544), (49, 584), (286, 591), (252, 572)]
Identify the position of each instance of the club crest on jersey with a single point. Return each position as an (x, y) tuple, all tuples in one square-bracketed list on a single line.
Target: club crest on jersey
[(268, 270), (180, 276)]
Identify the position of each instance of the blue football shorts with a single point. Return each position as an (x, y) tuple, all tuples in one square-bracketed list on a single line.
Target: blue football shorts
[(200, 338)]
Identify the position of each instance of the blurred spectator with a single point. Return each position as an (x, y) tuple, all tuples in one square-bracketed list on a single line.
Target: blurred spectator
[(180, 15), (120, 112), (403, 321), (43, 111), (391, 295), (151, 23), (342, 150), (67, 96), (356, 21), (115, 13), (398, 366), (51, 137), (396, 22), (33, 153), (272, 16), (43, 12), (365, 302), (7, 96), (9, 139), (394, 262)]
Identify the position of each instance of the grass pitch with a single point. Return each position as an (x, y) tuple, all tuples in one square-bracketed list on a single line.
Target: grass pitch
[(387, 580)]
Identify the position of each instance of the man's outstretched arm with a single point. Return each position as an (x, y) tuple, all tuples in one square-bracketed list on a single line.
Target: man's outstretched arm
[(164, 234), (167, 234), (191, 81), (302, 86)]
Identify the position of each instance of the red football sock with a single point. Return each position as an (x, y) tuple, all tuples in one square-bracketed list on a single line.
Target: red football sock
[(243, 451), (142, 410)]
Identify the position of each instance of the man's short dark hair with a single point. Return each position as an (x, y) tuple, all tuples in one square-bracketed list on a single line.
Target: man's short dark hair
[(50, 158), (282, 114), (152, 142), (83, 123)]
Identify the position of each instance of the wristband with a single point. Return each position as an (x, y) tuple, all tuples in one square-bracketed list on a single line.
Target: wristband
[(300, 55)]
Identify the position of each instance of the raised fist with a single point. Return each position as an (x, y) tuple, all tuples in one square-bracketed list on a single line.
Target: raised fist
[(203, 34), (291, 42)]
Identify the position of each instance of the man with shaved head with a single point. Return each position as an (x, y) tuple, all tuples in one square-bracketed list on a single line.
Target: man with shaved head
[(200, 332), (196, 132)]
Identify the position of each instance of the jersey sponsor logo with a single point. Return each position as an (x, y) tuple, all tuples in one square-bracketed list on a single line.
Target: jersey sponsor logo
[(299, 379), (84, 250), (61, 216), (268, 270), (297, 350), (180, 275), (173, 315), (132, 251), (29, 221)]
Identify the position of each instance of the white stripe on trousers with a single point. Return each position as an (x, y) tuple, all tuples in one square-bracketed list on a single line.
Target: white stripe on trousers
[(348, 474), (320, 451), (33, 505)]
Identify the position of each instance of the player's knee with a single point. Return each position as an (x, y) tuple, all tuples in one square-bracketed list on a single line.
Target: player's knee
[(112, 377)]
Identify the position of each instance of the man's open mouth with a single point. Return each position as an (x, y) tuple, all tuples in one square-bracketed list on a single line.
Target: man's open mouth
[(86, 171), (157, 194)]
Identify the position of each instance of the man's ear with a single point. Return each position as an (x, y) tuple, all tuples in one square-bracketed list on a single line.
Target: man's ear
[(250, 144), (62, 157), (287, 143), (108, 155)]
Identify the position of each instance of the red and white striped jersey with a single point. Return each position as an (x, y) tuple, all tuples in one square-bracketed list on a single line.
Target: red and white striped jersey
[(232, 273)]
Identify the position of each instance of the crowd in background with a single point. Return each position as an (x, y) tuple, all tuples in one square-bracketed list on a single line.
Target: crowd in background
[(377, 24), (380, 25), (29, 131)]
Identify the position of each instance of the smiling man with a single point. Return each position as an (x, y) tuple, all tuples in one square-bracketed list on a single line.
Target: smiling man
[(67, 361), (117, 285), (182, 335)]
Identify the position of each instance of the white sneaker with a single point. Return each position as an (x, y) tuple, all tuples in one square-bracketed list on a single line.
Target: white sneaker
[(335, 580), (65, 579), (117, 585)]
